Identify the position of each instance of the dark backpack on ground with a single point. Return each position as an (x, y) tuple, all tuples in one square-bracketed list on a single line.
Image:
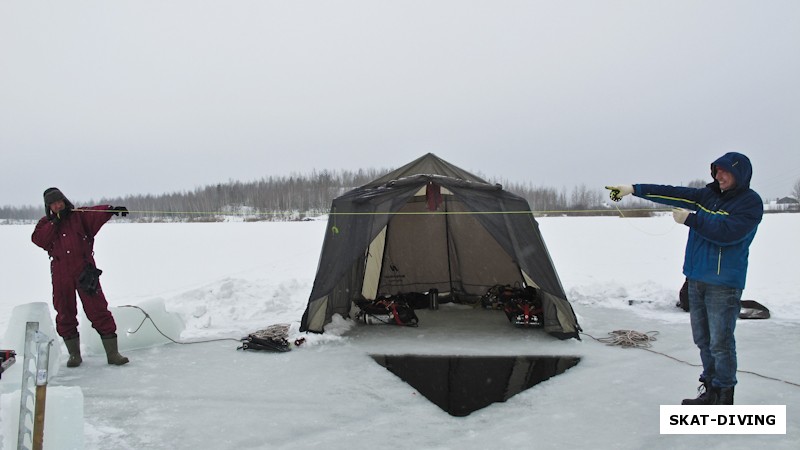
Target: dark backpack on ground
[(388, 310), (751, 309)]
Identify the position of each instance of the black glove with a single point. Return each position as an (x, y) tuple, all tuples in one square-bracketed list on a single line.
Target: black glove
[(116, 210)]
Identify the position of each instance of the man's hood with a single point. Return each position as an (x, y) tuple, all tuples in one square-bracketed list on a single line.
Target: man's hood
[(738, 165)]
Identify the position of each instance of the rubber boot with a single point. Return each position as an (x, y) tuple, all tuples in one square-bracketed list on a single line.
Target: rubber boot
[(707, 395), (74, 349), (725, 396), (112, 351)]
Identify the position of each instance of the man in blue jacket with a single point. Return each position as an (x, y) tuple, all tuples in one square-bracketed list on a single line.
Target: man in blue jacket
[(722, 218)]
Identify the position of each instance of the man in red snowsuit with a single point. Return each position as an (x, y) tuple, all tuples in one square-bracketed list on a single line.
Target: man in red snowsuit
[(67, 235)]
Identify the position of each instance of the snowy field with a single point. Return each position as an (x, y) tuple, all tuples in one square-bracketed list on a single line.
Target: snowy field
[(224, 280)]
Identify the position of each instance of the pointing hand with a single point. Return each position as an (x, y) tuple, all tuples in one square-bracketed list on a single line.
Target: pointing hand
[(619, 191)]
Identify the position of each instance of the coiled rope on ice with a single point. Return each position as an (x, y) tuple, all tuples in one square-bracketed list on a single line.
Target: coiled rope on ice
[(629, 338)]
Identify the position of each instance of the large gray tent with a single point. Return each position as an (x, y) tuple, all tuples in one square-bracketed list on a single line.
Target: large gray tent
[(431, 225)]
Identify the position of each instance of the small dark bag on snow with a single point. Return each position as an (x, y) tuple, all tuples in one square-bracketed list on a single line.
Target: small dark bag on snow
[(89, 279), (273, 339)]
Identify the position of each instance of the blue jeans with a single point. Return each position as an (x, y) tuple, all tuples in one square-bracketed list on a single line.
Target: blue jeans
[(713, 311)]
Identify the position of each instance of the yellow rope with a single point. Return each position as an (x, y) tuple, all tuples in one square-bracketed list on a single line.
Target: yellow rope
[(402, 213)]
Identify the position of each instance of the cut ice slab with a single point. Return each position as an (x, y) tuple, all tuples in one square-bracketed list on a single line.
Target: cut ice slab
[(63, 420), (14, 339), (145, 325)]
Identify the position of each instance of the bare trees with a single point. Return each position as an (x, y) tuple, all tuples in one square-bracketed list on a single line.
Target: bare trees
[(697, 183), (296, 196)]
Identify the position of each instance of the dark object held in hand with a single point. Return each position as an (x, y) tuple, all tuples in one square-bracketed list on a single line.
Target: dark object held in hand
[(89, 279), (119, 209)]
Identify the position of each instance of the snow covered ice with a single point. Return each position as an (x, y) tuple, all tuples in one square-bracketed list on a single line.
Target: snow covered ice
[(221, 281)]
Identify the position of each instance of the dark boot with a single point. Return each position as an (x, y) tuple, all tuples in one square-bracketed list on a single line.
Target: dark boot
[(725, 396), (74, 349), (706, 395), (112, 351)]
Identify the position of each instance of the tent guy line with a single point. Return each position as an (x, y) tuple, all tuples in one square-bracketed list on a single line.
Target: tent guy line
[(147, 317), (638, 340)]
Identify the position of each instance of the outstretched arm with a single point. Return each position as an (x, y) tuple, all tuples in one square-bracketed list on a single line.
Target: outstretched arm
[(94, 217)]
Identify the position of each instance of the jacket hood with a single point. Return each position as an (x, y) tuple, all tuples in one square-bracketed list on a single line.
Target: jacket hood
[(737, 164)]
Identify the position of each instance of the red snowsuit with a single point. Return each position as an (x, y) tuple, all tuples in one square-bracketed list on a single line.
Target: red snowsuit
[(70, 246)]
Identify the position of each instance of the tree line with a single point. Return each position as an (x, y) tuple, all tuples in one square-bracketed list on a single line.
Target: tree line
[(296, 197)]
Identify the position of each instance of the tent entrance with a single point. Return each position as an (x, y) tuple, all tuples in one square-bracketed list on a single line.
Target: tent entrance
[(452, 253)]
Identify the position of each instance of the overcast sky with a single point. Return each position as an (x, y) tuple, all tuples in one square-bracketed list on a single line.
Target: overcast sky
[(125, 97)]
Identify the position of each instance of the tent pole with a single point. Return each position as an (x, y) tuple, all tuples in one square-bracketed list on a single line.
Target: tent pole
[(447, 239)]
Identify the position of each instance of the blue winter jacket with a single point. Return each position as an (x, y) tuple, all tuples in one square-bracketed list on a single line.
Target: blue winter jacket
[(723, 226)]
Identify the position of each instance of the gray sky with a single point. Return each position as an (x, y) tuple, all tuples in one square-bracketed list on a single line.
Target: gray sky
[(133, 97)]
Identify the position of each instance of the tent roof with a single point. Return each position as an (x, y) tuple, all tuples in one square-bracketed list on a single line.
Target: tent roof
[(428, 164)]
